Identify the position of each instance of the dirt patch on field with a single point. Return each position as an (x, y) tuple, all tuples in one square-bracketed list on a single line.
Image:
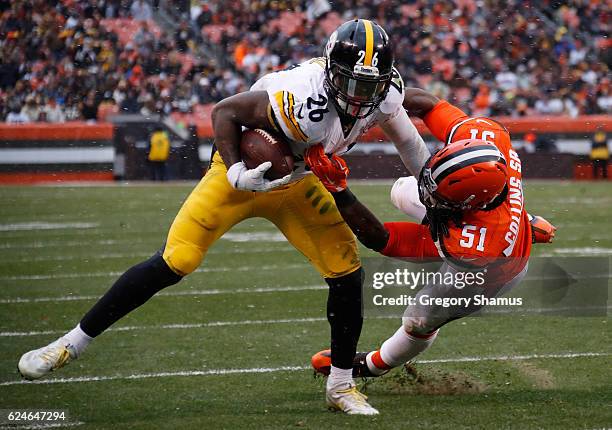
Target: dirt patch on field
[(411, 380), (540, 378)]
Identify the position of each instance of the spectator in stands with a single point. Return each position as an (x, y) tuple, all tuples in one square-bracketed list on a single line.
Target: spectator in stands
[(518, 57), (600, 154), (31, 109), (15, 116), (90, 107), (183, 36), (159, 151), (52, 111), (141, 11)]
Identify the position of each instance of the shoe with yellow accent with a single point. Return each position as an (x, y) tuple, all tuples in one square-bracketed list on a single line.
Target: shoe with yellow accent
[(347, 398), (40, 362)]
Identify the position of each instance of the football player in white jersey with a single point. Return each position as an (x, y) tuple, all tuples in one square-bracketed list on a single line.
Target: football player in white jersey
[(330, 100)]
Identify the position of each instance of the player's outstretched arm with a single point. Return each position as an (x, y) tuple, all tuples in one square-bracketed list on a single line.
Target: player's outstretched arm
[(418, 102), (406, 240), (332, 171), (368, 229)]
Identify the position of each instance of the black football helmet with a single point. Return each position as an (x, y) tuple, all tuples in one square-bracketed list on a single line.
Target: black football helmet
[(359, 67)]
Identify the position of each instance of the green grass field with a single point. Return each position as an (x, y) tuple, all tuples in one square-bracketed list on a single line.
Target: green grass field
[(182, 360)]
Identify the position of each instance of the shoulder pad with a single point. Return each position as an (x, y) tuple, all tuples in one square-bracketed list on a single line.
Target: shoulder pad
[(320, 61)]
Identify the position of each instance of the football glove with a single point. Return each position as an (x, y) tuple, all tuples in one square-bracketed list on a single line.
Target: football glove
[(542, 231), (242, 178), (332, 170)]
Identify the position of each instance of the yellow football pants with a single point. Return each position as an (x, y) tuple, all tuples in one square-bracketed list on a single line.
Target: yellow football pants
[(304, 212)]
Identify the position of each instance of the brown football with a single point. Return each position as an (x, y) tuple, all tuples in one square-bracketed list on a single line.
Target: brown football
[(258, 146)]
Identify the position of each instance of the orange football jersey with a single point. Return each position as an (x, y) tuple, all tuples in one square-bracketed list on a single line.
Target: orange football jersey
[(499, 238)]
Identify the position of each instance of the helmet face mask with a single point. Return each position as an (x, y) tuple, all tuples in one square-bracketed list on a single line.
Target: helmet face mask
[(354, 95), (427, 193), (359, 68)]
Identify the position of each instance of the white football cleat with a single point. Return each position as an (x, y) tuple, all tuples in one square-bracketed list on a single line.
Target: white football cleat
[(348, 399), (40, 362)]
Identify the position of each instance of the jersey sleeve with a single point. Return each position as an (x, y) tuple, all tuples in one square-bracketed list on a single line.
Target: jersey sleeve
[(411, 240), (442, 118), (395, 97), (287, 108)]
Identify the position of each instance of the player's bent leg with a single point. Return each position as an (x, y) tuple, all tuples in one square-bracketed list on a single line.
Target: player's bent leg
[(399, 349), (211, 209), (132, 289)]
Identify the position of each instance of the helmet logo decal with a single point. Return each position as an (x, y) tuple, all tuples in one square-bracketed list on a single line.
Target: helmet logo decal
[(367, 71)]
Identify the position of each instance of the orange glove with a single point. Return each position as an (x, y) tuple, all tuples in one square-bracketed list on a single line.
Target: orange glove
[(542, 231), (332, 171)]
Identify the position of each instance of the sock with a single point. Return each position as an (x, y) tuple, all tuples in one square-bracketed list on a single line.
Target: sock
[(344, 313), (131, 290), (339, 376), (78, 339), (397, 350)]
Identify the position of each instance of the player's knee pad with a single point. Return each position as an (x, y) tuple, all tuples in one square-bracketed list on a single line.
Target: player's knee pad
[(183, 259)]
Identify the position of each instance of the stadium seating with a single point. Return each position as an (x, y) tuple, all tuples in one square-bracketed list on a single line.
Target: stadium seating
[(552, 58)]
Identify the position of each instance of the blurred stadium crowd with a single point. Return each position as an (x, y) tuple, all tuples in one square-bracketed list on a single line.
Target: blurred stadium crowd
[(73, 59)]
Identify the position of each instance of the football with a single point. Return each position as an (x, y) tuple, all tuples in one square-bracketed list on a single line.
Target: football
[(258, 146)]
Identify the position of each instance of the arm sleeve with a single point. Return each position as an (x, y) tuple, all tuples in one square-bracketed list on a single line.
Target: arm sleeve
[(407, 239), (441, 119), (402, 132)]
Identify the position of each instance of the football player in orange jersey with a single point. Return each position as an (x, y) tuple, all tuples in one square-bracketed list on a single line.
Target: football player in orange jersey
[(470, 198)]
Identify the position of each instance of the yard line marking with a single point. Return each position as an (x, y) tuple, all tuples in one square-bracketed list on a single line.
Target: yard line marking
[(211, 292), (21, 226), (52, 244), (515, 357), (221, 372), (45, 425), (201, 270), (111, 255), (583, 251), (89, 232), (175, 326), (192, 326), (108, 274)]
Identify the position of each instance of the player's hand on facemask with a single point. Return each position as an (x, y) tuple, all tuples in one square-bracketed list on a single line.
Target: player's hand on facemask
[(242, 178), (542, 231), (331, 171)]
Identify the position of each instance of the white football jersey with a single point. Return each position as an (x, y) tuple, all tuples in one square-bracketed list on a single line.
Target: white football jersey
[(303, 112)]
